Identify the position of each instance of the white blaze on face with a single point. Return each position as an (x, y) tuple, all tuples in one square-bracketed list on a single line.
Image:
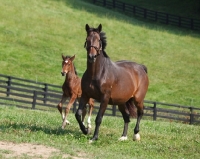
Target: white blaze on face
[(66, 61)]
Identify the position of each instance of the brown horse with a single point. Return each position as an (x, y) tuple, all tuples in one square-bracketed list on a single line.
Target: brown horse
[(72, 89), (123, 83)]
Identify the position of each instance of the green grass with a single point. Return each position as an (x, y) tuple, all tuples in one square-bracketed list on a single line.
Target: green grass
[(34, 34), (158, 139)]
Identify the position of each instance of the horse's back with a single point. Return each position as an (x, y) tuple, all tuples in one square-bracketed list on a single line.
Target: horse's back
[(129, 65)]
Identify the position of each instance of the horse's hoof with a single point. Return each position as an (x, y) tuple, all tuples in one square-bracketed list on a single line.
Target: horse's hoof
[(93, 140), (136, 137), (123, 138), (67, 122)]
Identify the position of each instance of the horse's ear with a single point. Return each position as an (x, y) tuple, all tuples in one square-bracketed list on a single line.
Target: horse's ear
[(100, 27), (72, 58), (63, 57), (87, 27)]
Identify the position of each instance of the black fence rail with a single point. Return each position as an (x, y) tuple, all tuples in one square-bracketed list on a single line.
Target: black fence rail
[(42, 96), (165, 18)]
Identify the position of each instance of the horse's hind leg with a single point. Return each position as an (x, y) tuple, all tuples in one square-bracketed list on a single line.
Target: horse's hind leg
[(59, 106), (126, 117), (140, 112)]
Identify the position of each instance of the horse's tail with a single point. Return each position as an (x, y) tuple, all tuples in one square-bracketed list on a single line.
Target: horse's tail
[(131, 108), (145, 68)]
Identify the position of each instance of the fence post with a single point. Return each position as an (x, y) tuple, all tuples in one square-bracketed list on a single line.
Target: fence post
[(154, 111), (145, 13), (179, 21), (123, 7), (191, 115), (45, 92), (34, 99), (192, 24), (133, 9), (167, 19), (114, 110), (104, 2), (9, 84), (113, 3), (156, 16)]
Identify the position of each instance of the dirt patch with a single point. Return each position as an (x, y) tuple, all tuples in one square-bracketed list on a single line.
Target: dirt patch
[(12, 150)]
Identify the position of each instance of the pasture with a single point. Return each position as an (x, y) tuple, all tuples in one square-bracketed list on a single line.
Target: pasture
[(34, 34), (158, 139)]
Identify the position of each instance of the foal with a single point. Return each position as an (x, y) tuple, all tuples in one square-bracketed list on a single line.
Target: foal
[(72, 89)]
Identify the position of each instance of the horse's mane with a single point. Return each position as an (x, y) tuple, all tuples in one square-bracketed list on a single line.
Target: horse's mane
[(104, 42), (73, 65)]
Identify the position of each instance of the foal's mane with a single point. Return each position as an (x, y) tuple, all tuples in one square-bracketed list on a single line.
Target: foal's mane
[(73, 65)]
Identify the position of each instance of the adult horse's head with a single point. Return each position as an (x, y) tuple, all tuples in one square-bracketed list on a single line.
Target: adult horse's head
[(95, 42), (67, 64)]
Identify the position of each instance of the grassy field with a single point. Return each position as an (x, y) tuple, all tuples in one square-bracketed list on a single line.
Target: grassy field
[(158, 139), (34, 34)]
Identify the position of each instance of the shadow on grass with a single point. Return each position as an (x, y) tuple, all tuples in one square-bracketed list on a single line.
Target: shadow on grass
[(111, 14), (16, 127)]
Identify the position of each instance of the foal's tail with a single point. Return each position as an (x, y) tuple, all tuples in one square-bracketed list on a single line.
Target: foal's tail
[(131, 108)]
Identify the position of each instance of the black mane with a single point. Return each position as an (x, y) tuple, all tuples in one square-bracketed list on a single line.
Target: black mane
[(104, 42)]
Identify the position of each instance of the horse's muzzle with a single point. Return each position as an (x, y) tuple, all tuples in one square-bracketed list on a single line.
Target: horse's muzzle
[(92, 58)]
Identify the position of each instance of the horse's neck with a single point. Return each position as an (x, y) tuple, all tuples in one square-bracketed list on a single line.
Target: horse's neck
[(96, 69)]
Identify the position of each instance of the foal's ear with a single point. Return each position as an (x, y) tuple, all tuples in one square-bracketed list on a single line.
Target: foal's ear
[(72, 58), (87, 27), (100, 28), (63, 57)]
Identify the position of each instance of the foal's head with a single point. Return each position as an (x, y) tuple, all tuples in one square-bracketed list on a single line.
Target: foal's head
[(67, 64)]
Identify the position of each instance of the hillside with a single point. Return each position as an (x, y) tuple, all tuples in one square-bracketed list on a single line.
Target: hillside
[(34, 34)]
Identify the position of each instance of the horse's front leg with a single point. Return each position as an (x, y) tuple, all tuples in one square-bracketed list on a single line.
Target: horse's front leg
[(79, 113), (59, 106), (67, 110), (98, 120)]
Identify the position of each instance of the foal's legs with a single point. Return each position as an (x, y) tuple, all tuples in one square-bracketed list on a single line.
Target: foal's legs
[(71, 101), (59, 106), (91, 106), (126, 117)]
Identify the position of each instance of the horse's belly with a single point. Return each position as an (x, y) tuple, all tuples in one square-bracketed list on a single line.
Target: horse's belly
[(121, 96)]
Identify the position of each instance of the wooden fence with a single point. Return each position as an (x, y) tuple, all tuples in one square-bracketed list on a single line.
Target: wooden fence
[(36, 95), (165, 18)]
